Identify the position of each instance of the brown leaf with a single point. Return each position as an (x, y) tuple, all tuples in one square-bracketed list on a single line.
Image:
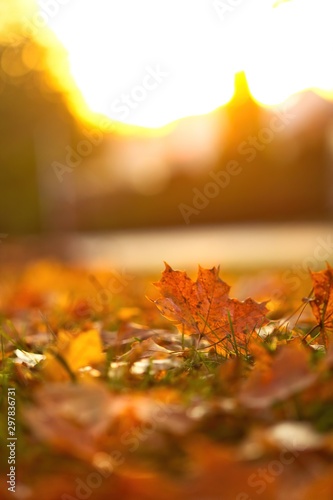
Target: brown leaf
[(320, 486), (71, 418), (219, 474), (203, 307), (322, 305), (145, 349), (289, 373)]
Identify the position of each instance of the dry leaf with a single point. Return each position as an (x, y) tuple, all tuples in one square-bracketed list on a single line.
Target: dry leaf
[(70, 417), (322, 305), (146, 349), (289, 373), (83, 349), (203, 307)]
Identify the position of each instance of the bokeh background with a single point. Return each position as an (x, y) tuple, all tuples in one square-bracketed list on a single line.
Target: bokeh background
[(75, 156)]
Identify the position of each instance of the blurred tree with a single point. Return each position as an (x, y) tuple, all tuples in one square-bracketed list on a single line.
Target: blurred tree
[(34, 119)]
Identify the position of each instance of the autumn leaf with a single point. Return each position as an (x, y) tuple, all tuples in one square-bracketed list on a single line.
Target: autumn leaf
[(322, 305), (70, 417), (219, 474), (204, 308), (146, 349), (73, 352), (107, 406), (288, 374)]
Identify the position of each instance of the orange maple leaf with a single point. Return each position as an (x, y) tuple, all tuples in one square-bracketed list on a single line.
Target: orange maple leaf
[(204, 308), (322, 305)]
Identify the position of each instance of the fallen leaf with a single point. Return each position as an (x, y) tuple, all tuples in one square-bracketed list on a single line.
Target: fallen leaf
[(146, 349), (320, 486), (288, 374), (204, 308), (299, 436), (322, 305), (70, 417), (76, 351), (29, 358), (218, 474)]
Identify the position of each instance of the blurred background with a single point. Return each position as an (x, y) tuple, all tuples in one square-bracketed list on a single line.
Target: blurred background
[(152, 114)]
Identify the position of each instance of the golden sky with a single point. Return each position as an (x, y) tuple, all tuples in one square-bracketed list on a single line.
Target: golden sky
[(150, 62)]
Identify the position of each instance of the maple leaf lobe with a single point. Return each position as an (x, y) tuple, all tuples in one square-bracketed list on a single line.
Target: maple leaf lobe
[(203, 307)]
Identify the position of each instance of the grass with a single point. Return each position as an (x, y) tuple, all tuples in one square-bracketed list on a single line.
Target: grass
[(180, 419)]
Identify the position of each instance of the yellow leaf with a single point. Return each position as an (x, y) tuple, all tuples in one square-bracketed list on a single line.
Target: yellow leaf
[(83, 349)]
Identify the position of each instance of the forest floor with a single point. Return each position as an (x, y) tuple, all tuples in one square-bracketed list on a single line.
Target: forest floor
[(158, 385)]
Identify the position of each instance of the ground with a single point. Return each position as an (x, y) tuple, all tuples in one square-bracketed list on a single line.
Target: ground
[(118, 388)]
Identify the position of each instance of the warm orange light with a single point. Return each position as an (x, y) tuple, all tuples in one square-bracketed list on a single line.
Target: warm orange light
[(292, 51), (149, 63)]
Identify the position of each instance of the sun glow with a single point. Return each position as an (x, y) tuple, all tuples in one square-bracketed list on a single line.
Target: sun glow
[(151, 62)]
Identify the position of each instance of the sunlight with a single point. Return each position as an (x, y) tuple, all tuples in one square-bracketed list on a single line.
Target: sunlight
[(149, 63), (291, 52)]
